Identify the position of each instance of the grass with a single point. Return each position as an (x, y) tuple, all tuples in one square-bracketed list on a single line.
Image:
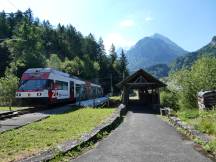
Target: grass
[(47, 133), (86, 146), (204, 121), (115, 98), (187, 115), (7, 108), (80, 149)]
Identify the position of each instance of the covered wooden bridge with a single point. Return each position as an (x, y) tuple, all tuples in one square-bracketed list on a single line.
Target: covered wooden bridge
[(147, 86)]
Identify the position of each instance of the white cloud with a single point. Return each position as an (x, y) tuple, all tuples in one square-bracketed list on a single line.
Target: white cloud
[(148, 18), (127, 23), (118, 40)]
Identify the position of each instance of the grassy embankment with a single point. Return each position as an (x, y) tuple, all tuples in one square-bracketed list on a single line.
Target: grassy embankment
[(5, 108), (203, 121), (47, 133)]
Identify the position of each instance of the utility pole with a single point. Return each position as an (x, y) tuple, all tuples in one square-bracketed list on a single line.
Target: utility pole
[(111, 84)]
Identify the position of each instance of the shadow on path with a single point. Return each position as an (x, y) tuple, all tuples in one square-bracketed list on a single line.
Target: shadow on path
[(136, 106)]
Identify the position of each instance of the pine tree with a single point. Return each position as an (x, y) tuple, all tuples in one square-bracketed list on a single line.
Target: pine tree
[(123, 64), (113, 54)]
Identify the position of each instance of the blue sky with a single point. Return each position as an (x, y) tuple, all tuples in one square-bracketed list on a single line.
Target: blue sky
[(189, 23)]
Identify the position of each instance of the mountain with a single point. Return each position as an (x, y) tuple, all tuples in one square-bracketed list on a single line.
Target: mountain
[(159, 70), (156, 49), (188, 60)]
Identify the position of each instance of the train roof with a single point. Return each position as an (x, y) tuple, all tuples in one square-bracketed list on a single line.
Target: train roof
[(57, 72), (46, 70)]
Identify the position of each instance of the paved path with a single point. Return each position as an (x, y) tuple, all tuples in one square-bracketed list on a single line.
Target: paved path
[(143, 137)]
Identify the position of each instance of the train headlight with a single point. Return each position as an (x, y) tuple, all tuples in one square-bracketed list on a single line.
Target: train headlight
[(18, 94), (39, 94)]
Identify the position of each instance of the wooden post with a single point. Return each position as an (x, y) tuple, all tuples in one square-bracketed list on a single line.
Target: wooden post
[(125, 95), (158, 93)]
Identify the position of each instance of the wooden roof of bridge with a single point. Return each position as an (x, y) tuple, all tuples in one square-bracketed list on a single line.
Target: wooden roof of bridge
[(141, 79)]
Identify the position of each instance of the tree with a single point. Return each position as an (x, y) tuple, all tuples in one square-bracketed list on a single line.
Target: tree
[(54, 62), (123, 64), (26, 47), (28, 43), (113, 54), (8, 87), (188, 82), (4, 34), (73, 67), (89, 47)]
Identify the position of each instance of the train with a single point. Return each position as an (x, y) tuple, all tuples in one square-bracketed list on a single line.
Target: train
[(47, 86)]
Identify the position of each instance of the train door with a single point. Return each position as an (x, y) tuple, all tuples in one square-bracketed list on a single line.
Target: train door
[(72, 97)]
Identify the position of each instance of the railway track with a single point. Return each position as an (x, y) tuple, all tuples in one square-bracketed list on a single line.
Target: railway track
[(11, 114), (86, 103)]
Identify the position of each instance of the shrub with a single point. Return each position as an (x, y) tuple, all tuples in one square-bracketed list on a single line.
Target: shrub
[(169, 99), (201, 76), (8, 86)]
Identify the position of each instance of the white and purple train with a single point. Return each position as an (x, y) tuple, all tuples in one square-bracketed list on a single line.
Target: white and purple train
[(49, 86)]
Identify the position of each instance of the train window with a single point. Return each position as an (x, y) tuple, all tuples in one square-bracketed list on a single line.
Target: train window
[(33, 84), (83, 92), (71, 88), (94, 92), (60, 85), (50, 84), (77, 90)]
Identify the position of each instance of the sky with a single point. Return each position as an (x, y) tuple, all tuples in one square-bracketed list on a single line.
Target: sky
[(189, 23)]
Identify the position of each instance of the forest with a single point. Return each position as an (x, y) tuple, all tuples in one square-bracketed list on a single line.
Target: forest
[(26, 42)]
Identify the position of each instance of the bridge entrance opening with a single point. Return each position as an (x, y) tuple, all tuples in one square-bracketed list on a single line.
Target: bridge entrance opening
[(146, 87)]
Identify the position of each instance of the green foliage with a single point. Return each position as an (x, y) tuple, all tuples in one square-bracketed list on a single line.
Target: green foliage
[(186, 62), (159, 70), (8, 86), (169, 99), (206, 122), (116, 98), (211, 147), (28, 43), (54, 62), (7, 108), (186, 115), (75, 66), (201, 76), (123, 64), (203, 121), (113, 54)]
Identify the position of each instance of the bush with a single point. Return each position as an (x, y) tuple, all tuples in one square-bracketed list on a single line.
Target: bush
[(188, 82), (169, 99), (8, 87)]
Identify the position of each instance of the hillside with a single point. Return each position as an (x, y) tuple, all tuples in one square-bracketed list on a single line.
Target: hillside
[(156, 49), (159, 70), (188, 60)]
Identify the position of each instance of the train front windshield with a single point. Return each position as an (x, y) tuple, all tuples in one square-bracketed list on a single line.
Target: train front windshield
[(33, 85)]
